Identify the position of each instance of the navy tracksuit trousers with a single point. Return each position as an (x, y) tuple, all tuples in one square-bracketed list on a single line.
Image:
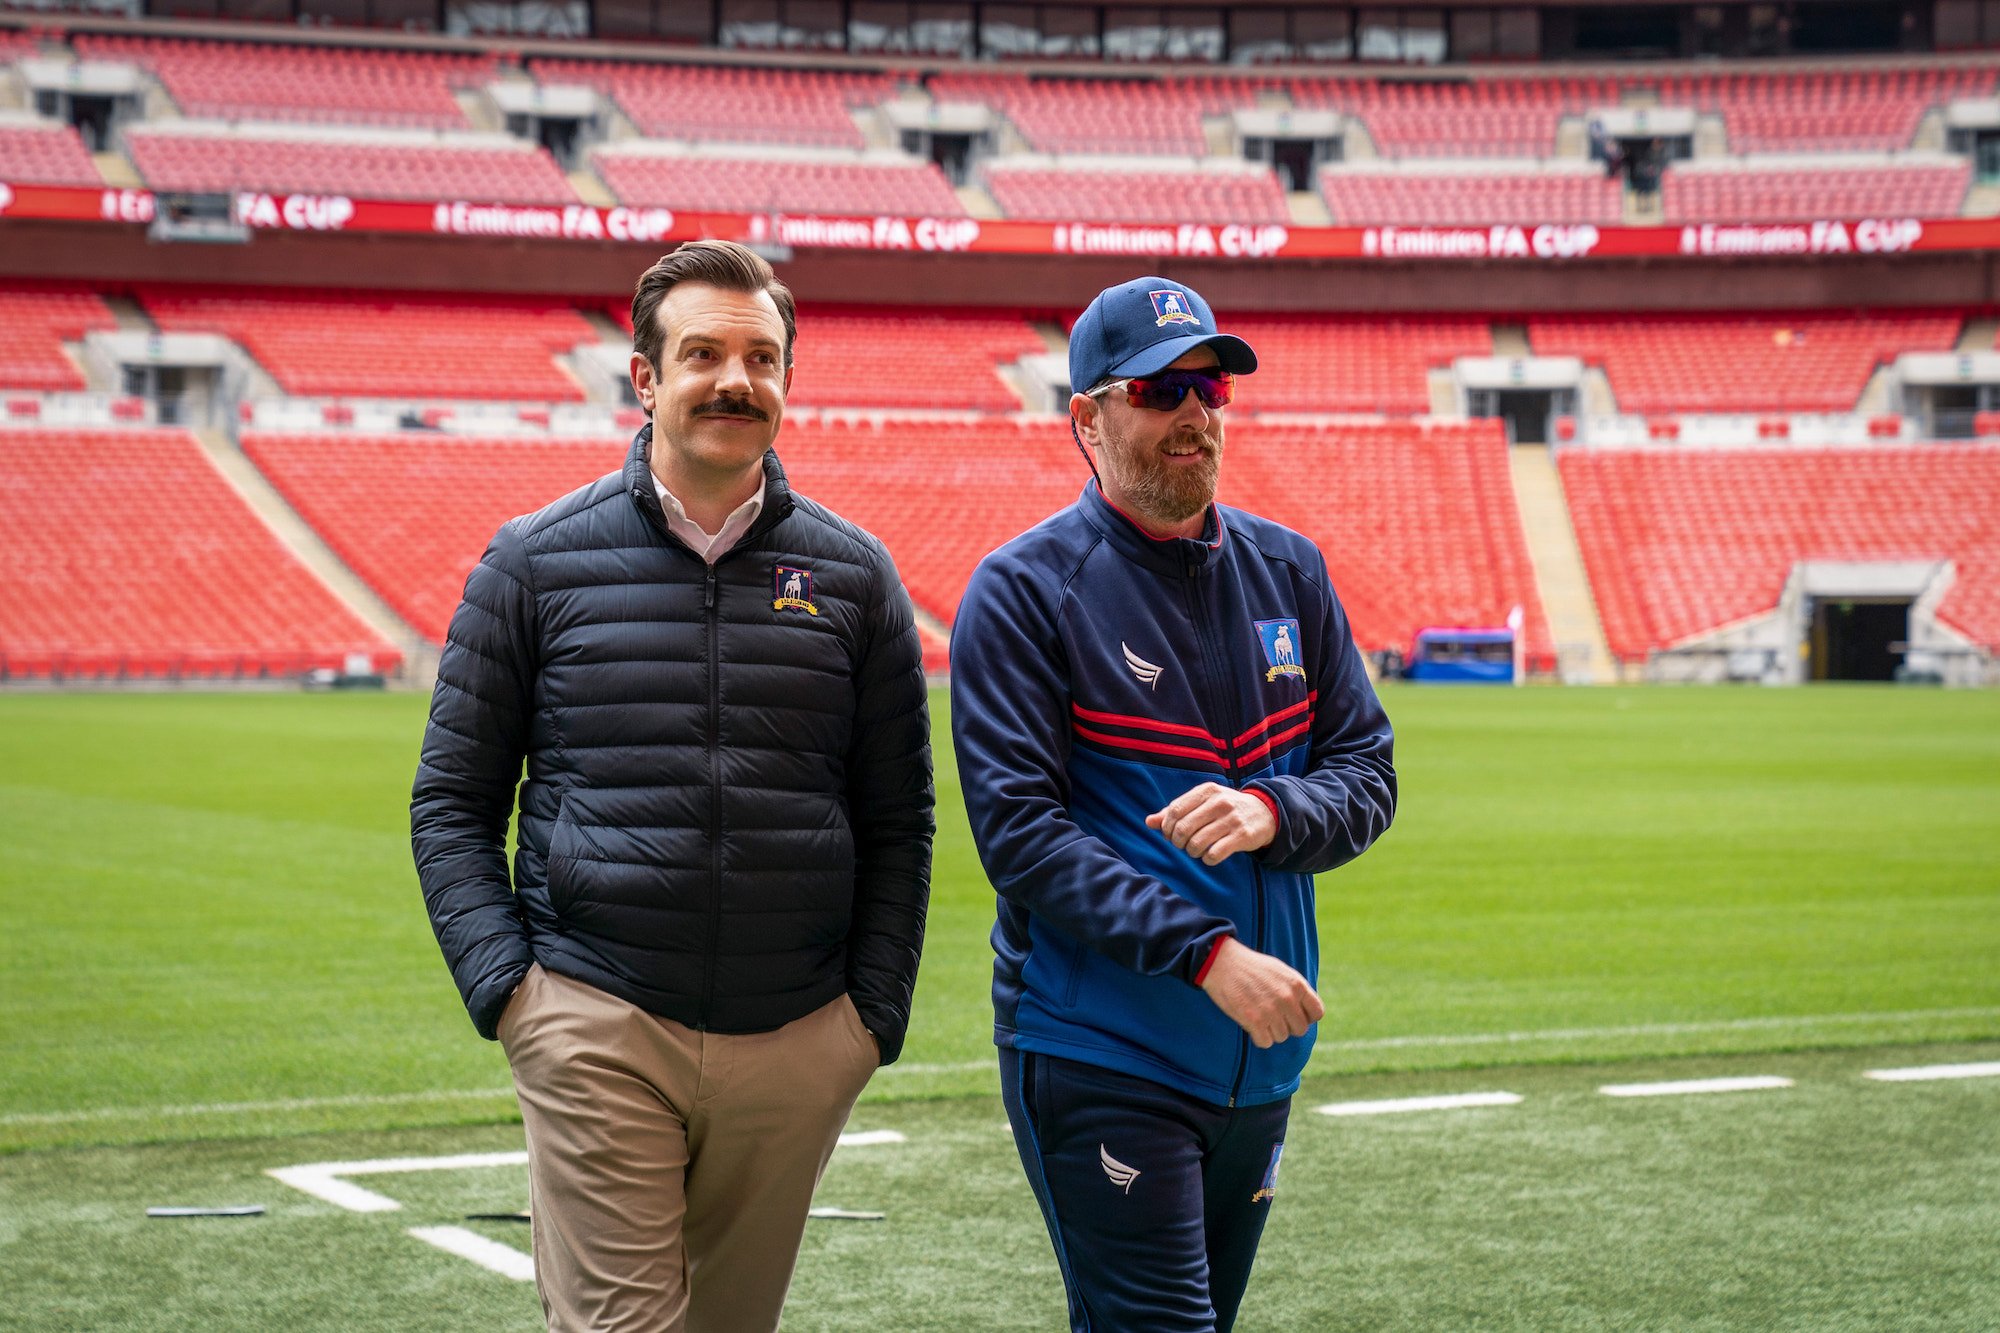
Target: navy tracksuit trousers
[(1155, 1200)]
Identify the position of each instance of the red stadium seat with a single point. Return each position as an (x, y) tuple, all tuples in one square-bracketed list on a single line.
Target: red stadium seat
[(46, 155), (1473, 199), (759, 185), (1679, 542), (522, 174), (1794, 361), (1138, 196), (34, 324), (148, 589), (1800, 194)]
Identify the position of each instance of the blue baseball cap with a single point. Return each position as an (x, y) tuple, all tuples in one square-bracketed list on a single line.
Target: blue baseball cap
[(1143, 326)]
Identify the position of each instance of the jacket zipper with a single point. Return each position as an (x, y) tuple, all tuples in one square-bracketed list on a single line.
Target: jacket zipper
[(1197, 613), (714, 637)]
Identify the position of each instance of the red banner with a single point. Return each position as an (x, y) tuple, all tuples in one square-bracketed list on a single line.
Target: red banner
[(1130, 240)]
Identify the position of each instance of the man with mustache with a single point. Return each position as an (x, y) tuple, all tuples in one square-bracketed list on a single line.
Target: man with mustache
[(709, 937), (1163, 732)]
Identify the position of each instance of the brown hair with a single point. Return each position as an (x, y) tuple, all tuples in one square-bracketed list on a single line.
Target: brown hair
[(724, 264)]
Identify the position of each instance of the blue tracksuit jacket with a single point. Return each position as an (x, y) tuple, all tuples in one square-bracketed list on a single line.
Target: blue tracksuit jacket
[(1099, 672)]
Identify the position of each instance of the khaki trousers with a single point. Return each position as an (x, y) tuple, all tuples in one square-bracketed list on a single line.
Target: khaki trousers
[(670, 1170)]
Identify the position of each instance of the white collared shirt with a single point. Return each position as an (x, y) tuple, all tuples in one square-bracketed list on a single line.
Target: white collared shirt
[(697, 537)]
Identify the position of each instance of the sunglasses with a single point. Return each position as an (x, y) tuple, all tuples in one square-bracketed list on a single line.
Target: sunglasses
[(1166, 391)]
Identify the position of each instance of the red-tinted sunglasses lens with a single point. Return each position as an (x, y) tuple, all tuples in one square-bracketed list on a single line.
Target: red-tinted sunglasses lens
[(1166, 392)]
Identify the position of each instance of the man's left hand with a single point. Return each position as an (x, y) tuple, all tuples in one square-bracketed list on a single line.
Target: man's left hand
[(1213, 822)]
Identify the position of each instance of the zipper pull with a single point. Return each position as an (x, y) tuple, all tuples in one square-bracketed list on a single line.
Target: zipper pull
[(708, 596)]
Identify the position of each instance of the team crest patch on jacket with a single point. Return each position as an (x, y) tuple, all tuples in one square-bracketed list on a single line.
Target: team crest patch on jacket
[(794, 590), (1281, 648), (1172, 308)]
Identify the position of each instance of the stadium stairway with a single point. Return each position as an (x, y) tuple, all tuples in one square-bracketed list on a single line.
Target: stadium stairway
[(420, 657), (1582, 654)]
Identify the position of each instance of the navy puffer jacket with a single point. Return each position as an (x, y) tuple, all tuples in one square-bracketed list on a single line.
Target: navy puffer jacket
[(727, 812)]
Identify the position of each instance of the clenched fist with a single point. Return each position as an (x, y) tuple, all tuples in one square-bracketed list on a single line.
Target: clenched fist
[(1266, 997), (1213, 822)]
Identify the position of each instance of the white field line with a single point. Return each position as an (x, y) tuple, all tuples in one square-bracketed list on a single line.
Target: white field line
[(1925, 1073), (1695, 1086), (324, 1180), (1396, 1105), (327, 1180), (1445, 1041), (488, 1254)]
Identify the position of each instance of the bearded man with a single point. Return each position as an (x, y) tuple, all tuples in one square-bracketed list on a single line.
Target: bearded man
[(1164, 732)]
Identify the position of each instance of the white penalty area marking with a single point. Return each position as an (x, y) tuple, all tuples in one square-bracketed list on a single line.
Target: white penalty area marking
[(323, 1180), (1695, 1086), (488, 1254), (1396, 1105), (1926, 1073), (326, 1180)]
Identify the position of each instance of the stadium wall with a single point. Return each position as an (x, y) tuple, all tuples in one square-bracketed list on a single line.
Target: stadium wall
[(99, 252)]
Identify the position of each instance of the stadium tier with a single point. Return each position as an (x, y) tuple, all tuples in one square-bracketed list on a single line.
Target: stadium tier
[(728, 104), (318, 84), (762, 185), (34, 324), (1680, 542), (1418, 522), (1120, 115), (411, 513), (1823, 110), (45, 155), (913, 357), (1792, 361), (1333, 363), (487, 173), (1797, 193), (1364, 198), (1138, 196), (390, 346), (1496, 117), (130, 555)]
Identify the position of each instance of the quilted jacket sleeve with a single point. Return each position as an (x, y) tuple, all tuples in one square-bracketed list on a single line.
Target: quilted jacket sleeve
[(466, 779), (891, 802)]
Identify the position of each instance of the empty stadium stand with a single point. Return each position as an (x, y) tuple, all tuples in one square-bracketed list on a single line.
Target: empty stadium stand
[(1680, 542), (34, 324), (484, 171), (1138, 196), (411, 513), (128, 555), (761, 185), (910, 357), (1418, 521), (1350, 363), (1823, 110), (729, 104), (45, 154), (1473, 198), (1492, 117), (1116, 115), (1791, 361), (1798, 193), (316, 84), (389, 345)]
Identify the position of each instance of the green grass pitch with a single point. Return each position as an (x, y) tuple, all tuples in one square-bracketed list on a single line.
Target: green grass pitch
[(215, 961)]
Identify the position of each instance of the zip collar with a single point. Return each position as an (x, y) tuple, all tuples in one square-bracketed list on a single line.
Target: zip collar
[(639, 485), (1179, 557)]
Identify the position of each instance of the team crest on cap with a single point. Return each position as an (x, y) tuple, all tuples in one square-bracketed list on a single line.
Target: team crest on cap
[(1172, 308), (1281, 648), (793, 590)]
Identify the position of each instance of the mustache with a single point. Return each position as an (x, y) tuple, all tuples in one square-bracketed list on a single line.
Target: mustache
[(732, 407)]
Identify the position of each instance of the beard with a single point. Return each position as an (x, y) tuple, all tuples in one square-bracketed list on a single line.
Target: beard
[(1172, 493)]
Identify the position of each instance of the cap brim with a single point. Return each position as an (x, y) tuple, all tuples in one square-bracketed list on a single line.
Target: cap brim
[(1231, 351)]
